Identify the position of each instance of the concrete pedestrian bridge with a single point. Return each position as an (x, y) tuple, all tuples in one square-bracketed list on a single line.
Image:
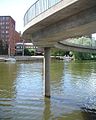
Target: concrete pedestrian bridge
[(48, 22)]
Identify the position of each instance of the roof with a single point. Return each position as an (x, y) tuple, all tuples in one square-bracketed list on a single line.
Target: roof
[(24, 43)]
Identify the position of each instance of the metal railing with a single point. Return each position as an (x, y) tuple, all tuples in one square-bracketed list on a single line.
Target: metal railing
[(37, 8), (87, 42)]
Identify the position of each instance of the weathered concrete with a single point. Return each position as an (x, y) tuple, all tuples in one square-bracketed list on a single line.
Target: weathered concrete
[(22, 58), (47, 71), (28, 58)]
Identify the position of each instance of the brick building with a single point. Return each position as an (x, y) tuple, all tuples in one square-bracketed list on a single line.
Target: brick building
[(8, 35)]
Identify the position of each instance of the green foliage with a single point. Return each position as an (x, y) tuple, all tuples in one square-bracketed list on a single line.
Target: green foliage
[(3, 48), (86, 41), (28, 52), (78, 55), (57, 52), (83, 41), (82, 56)]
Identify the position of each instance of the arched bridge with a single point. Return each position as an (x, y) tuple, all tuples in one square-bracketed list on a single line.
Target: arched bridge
[(48, 22)]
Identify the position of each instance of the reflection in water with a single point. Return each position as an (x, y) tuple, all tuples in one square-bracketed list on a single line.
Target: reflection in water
[(89, 108), (47, 109), (73, 89), (8, 74), (89, 114), (29, 80), (57, 68)]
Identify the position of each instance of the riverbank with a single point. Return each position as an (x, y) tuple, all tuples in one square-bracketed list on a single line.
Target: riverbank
[(22, 58), (28, 58), (32, 58)]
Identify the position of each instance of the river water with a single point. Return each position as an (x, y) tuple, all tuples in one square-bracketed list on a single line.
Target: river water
[(73, 91)]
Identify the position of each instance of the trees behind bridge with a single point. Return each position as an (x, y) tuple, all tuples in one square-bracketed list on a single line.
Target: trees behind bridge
[(3, 47), (86, 41)]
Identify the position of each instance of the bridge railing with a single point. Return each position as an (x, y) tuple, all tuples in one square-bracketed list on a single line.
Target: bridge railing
[(86, 42), (37, 8)]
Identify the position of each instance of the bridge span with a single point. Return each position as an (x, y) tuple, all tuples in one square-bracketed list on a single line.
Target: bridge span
[(75, 47), (48, 22), (46, 25)]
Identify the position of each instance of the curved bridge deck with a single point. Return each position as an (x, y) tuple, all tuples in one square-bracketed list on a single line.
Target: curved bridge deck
[(75, 47), (50, 21)]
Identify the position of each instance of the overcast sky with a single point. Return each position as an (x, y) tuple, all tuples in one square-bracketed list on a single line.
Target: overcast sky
[(16, 9)]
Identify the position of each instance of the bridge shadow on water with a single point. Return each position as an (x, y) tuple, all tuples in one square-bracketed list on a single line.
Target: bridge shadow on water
[(88, 114)]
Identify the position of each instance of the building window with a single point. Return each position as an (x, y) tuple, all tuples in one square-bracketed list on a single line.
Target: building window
[(2, 36), (2, 27), (4, 18), (3, 31), (7, 23), (7, 27), (7, 36), (6, 31), (3, 23), (7, 18)]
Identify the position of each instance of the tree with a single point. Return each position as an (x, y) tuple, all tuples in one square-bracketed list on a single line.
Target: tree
[(3, 47), (86, 41), (58, 52)]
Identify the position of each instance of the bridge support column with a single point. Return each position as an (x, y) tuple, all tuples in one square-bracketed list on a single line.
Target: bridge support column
[(47, 71)]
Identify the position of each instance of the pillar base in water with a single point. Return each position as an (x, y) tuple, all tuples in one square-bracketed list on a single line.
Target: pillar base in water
[(47, 71)]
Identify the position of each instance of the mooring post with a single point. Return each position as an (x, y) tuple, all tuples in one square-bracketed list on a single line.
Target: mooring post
[(47, 71)]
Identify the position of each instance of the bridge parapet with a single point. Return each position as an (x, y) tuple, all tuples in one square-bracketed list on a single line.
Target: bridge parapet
[(69, 46), (37, 8), (82, 41)]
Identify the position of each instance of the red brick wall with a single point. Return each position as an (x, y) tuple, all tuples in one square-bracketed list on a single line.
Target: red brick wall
[(7, 23)]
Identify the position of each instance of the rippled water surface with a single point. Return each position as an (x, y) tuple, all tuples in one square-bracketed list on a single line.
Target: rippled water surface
[(73, 91)]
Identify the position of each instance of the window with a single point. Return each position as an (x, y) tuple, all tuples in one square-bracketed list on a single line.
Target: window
[(3, 23), (4, 18), (7, 27), (3, 31), (7, 18), (7, 31), (2, 27), (7, 23)]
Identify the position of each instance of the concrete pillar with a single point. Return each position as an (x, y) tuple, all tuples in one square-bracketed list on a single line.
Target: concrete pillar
[(47, 71), (23, 49)]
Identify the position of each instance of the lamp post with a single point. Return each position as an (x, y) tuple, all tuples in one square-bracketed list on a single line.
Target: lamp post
[(23, 49)]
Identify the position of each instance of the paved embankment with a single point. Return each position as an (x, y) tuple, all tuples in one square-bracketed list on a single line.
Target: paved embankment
[(22, 58), (28, 58), (3, 57)]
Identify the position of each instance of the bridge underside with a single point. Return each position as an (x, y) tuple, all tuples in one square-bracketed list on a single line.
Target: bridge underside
[(73, 26), (75, 20)]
